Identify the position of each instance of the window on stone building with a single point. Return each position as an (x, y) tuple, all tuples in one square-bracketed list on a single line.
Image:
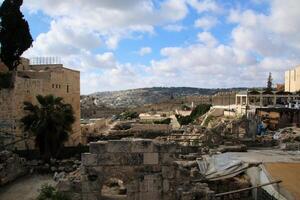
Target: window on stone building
[(67, 88), (52, 85)]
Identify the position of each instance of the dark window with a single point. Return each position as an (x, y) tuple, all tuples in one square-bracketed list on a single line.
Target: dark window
[(67, 88)]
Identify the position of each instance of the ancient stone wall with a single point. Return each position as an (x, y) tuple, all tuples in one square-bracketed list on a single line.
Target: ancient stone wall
[(146, 168), (30, 81)]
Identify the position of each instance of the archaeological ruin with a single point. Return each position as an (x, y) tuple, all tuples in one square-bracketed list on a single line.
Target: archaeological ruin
[(147, 169)]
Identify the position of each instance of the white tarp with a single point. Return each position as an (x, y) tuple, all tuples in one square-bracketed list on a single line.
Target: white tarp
[(221, 166)]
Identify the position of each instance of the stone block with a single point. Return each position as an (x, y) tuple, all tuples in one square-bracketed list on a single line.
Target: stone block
[(132, 187), (90, 186), (119, 146), (89, 159), (168, 172), (91, 196), (166, 186), (151, 158), (120, 159), (142, 146), (153, 182), (149, 195), (166, 158), (98, 147), (166, 148)]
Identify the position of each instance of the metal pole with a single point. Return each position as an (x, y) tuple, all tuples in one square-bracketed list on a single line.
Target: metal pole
[(249, 188)]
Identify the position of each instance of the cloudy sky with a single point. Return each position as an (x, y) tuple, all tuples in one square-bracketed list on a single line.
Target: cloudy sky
[(122, 44)]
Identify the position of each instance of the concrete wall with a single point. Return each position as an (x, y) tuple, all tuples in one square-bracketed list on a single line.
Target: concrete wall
[(224, 98)]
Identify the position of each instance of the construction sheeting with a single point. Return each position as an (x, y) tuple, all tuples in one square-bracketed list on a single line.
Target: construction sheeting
[(219, 167)]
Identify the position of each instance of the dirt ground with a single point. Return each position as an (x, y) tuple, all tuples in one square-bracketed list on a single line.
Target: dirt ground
[(25, 188), (289, 173)]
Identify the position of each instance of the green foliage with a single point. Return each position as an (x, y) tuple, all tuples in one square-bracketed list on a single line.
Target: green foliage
[(184, 120), (200, 110), (128, 115), (208, 119), (197, 112), (48, 192), (5, 80), (165, 121), (15, 36), (50, 121)]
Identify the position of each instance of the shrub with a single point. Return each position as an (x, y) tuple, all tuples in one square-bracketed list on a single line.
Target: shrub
[(200, 110), (48, 192), (164, 121), (197, 112), (184, 120), (129, 115)]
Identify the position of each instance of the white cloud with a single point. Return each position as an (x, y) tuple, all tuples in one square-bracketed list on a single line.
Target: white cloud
[(145, 50), (205, 5), (207, 38), (109, 20), (206, 22), (259, 43), (174, 27)]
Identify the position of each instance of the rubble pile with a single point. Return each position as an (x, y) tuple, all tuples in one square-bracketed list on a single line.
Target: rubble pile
[(65, 165), (289, 138), (11, 167), (289, 134), (219, 131)]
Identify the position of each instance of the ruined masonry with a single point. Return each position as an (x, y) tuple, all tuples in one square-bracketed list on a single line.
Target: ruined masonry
[(146, 168)]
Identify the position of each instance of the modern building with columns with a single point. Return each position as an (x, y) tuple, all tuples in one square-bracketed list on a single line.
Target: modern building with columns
[(250, 100)]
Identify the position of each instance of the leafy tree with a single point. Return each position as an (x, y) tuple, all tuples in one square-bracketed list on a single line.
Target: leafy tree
[(15, 36), (50, 121), (270, 82)]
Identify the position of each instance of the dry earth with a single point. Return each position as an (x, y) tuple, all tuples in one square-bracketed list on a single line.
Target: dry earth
[(25, 188)]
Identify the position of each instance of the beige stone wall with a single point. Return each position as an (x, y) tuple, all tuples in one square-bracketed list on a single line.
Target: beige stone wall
[(29, 83), (292, 80)]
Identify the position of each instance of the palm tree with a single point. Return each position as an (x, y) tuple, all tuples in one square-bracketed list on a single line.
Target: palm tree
[(50, 122)]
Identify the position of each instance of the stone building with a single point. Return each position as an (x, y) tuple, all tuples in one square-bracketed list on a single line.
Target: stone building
[(30, 81), (292, 80)]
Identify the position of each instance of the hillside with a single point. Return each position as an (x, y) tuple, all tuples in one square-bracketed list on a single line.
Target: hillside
[(138, 97)]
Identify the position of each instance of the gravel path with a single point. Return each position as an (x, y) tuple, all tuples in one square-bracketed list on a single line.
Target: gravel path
[(25, 188)]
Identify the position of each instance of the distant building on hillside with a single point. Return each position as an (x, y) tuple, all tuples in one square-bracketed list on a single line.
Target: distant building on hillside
[(292, 80), (30, 81)]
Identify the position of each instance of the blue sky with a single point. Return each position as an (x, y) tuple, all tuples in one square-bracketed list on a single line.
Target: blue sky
[(123, 44)]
